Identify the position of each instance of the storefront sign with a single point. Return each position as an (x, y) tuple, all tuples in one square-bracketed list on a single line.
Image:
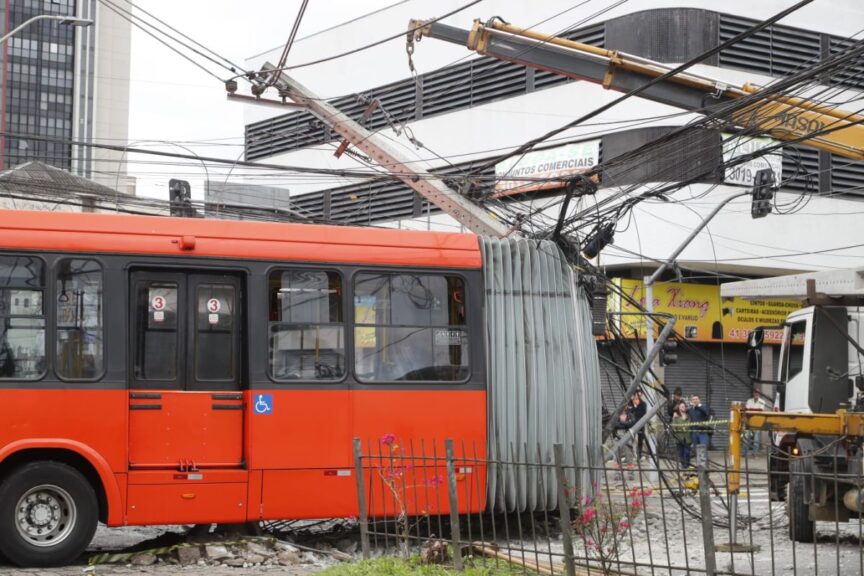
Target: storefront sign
[(545, 169), (735, 146), (701, 314)]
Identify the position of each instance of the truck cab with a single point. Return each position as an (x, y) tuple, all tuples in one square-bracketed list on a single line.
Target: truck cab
[(819, 372), (819, 361)]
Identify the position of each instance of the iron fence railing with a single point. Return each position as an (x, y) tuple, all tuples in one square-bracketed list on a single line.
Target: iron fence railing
[(652, 516)]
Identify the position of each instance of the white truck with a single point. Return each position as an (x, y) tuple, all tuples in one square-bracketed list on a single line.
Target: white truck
[(818, 420)]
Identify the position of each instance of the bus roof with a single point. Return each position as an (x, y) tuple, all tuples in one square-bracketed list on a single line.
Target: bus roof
[(121, 233)]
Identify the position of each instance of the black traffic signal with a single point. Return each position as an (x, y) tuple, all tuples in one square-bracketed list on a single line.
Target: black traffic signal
[(763, 193), (180, 196), (667, 353)]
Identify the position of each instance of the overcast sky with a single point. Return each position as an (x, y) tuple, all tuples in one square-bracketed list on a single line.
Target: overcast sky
[(173, 100)]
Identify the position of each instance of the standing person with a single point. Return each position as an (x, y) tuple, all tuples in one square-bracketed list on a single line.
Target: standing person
[(624, 423), (638, 409), (677, 398), (699, 413), (682, 433), (751, 437)]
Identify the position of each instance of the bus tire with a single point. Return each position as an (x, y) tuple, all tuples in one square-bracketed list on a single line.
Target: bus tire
[(48, 514), (801, 528)]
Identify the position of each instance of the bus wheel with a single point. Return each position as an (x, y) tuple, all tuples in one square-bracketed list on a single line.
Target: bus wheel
[(801, 528), (48, 514)]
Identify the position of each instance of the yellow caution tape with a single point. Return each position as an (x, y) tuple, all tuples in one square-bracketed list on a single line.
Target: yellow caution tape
[(702, 424)]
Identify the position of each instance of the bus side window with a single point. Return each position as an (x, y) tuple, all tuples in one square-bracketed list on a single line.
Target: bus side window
[(410, 327), (79, 320), (22, 318), (307, 330)]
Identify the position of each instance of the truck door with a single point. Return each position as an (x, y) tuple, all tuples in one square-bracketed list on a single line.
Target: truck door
[(186, 402)]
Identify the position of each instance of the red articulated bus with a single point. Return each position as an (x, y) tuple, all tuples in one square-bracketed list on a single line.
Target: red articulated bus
[(180, 371)]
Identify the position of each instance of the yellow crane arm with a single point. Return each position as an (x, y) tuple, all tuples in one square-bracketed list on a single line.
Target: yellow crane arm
[(785, 118), (841, 423)]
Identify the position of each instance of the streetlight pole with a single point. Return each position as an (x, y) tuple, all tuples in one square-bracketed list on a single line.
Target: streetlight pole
[(650, 280), (65, 20)]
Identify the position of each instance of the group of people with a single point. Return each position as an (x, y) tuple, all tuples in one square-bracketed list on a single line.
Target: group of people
[(689, 419), (685, 418)]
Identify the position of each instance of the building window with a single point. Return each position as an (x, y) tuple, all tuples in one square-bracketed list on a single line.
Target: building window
[(307, 330), (22, 318), (410, 327), (80, 345)]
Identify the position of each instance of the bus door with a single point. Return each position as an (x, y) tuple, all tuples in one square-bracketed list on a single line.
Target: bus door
[(186, 402)]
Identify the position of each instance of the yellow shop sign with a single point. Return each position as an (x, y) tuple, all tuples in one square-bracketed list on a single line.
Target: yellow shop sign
[(701, 314)]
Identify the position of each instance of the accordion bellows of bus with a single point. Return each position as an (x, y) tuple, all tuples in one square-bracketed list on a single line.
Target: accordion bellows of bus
[(183, 371)]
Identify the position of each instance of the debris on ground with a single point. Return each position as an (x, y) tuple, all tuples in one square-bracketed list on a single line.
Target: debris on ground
[(200, 547)]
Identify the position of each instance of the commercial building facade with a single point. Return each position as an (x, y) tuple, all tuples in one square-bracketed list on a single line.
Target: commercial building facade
[(466, 110)]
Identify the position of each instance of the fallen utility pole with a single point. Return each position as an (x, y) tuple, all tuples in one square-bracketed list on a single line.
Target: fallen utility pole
[(429, 186)]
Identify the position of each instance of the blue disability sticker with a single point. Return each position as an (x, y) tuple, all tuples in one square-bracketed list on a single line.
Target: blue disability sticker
[(263, 404)]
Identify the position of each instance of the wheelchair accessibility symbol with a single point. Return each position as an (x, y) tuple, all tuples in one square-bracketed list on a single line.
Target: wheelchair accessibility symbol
[(263, 404)]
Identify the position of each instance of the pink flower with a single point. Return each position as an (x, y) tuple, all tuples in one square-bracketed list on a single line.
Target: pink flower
[(589, 514), (624, 525), (388, 439)]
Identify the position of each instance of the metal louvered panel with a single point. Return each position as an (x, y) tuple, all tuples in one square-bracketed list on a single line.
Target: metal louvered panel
[(398, 99), (375, 202), (776, 50), (311, 205), (853, 74), (283, 133), (493, 80), (447, 89), (847, 176), (800, 169), (594, 35)]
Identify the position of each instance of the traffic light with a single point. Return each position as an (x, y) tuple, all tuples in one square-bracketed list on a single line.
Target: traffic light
[(763, 193), (667, 353), (180, 196)]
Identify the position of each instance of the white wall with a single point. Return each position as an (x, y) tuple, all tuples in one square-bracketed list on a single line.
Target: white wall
[(484, 131)]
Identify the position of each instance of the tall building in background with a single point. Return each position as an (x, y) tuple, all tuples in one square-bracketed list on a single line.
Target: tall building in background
[(64, 83)]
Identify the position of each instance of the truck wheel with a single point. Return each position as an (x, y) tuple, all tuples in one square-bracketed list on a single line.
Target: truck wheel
[(777, 479), (48, 514), (801, 528)]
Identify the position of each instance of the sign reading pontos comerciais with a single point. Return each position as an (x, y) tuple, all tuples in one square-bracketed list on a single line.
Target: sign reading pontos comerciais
[(545, 169)]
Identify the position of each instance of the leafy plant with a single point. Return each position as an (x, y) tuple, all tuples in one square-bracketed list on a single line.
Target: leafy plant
[(603, 524), (393, 475)]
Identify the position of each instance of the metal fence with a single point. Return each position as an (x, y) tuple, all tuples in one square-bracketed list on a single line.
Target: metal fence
[(633, 517)]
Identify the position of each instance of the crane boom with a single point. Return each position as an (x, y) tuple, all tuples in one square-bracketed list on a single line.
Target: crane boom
[(783, 117)]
